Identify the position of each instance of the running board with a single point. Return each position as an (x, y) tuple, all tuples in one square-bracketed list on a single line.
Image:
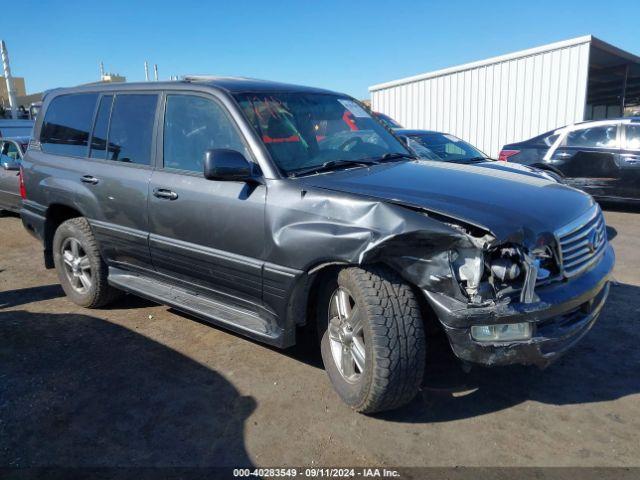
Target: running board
[(234, 318)]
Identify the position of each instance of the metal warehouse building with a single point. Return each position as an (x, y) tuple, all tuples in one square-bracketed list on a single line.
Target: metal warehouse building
[(517, 96)]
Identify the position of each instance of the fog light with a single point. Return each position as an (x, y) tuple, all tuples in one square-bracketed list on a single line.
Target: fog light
[(502, 332)]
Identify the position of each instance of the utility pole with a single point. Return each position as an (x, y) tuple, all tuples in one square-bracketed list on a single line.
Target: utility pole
[(146, 71), (9, 79)]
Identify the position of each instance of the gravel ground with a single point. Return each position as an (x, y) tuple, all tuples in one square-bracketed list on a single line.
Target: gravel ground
[(140, 384)]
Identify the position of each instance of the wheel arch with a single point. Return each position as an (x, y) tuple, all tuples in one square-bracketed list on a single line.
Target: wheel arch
[(56, 214), (305, 295)]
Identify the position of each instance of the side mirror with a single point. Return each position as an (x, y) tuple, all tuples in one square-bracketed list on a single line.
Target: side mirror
[(225, 164)]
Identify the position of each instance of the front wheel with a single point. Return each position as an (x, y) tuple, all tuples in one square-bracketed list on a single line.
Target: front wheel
[(372, 338)]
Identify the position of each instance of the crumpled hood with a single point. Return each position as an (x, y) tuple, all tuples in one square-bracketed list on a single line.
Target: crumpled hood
[(513, 206)]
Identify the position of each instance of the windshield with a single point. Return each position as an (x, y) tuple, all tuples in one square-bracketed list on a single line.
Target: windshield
[(442, 146), (303, 130)]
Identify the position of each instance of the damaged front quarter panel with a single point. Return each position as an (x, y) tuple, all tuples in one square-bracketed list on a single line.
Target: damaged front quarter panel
[(325, 227), (468, 275)]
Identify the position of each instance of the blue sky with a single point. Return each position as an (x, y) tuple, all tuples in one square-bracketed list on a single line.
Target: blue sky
[(341, 45)]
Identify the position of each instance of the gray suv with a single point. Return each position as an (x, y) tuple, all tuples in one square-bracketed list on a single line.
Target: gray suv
[(263, 207)]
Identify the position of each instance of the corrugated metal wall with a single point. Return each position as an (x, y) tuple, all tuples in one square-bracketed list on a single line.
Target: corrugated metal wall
[(496, 103)]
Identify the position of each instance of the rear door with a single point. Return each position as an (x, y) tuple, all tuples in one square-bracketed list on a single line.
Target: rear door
[(206, 235), (10, 156), (106, 171), (118, 174), (588, 158), (630, 162)]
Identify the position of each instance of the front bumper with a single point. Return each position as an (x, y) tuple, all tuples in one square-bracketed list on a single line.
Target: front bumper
[(563, 315)]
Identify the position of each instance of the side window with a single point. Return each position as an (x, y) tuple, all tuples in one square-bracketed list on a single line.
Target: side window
[(11, 151), (100, 130), (193, 124), (550, 139), (600, 137), (633, 136), (66, 126), (131, 128)]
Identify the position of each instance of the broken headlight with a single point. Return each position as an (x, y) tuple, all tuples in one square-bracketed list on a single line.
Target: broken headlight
[(468, 266), (500, 271)]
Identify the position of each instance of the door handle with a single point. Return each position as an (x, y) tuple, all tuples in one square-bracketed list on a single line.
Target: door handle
[(631, 158), (562, 155), (89, 179), (165, 193)]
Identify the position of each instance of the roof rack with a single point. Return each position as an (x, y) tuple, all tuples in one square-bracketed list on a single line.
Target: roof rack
[(208, 78)]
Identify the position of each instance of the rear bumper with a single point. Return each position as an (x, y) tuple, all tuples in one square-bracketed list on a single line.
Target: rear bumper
[(33, 219), (565, 313)]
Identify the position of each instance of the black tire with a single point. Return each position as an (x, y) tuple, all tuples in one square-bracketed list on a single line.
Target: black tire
[(393, 334), (100, 293)]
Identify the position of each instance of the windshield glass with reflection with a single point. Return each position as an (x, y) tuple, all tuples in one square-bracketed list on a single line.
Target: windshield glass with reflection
[(303, 130)]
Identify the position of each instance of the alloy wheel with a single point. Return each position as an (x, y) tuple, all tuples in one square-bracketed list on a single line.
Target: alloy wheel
[(346, 335), (76, 265)]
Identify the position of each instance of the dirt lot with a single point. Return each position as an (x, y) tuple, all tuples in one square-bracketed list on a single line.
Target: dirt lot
[(141, 384)]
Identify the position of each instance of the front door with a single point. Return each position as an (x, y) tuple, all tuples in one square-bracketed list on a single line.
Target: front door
[(588, 158), (205, 235)]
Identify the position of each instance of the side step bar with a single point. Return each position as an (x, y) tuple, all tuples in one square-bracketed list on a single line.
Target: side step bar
[(234, 318)]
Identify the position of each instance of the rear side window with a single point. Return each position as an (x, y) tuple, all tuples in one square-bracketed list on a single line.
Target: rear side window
[(67, 123), (550, 139), (131, 128), (101, 128), (599, 137), (193, 125), (633, 136)]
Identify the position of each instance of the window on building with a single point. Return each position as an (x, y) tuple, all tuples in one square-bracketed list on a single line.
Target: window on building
[(131, 128), (600, 137), (192, 125), (66, 126)]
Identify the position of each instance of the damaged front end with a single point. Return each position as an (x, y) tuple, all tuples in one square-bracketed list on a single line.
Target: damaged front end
[(501, 293), (514, 303)]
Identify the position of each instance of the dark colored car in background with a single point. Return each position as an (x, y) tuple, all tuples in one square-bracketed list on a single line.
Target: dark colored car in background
[(601, 157), (263, 207), (440, 146), (11, 153), (386, 120)]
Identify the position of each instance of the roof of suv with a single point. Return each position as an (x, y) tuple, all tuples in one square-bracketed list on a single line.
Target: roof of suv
[(229, 84)]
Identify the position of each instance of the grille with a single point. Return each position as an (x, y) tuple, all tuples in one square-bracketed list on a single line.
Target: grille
[(582, 242)]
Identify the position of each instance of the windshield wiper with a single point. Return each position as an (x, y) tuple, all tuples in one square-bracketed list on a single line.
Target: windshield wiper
[(476, 159), (331, 165), (395, 156)]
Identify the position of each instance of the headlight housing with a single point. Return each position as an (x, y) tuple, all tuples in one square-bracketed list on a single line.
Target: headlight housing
[(499, 271), (468, 266)]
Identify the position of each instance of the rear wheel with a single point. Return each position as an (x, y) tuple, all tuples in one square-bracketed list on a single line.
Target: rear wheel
[(81, 270), (372, 338)]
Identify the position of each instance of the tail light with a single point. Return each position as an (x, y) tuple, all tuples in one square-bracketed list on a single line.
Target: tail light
[(23, 190), (505, 154)]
